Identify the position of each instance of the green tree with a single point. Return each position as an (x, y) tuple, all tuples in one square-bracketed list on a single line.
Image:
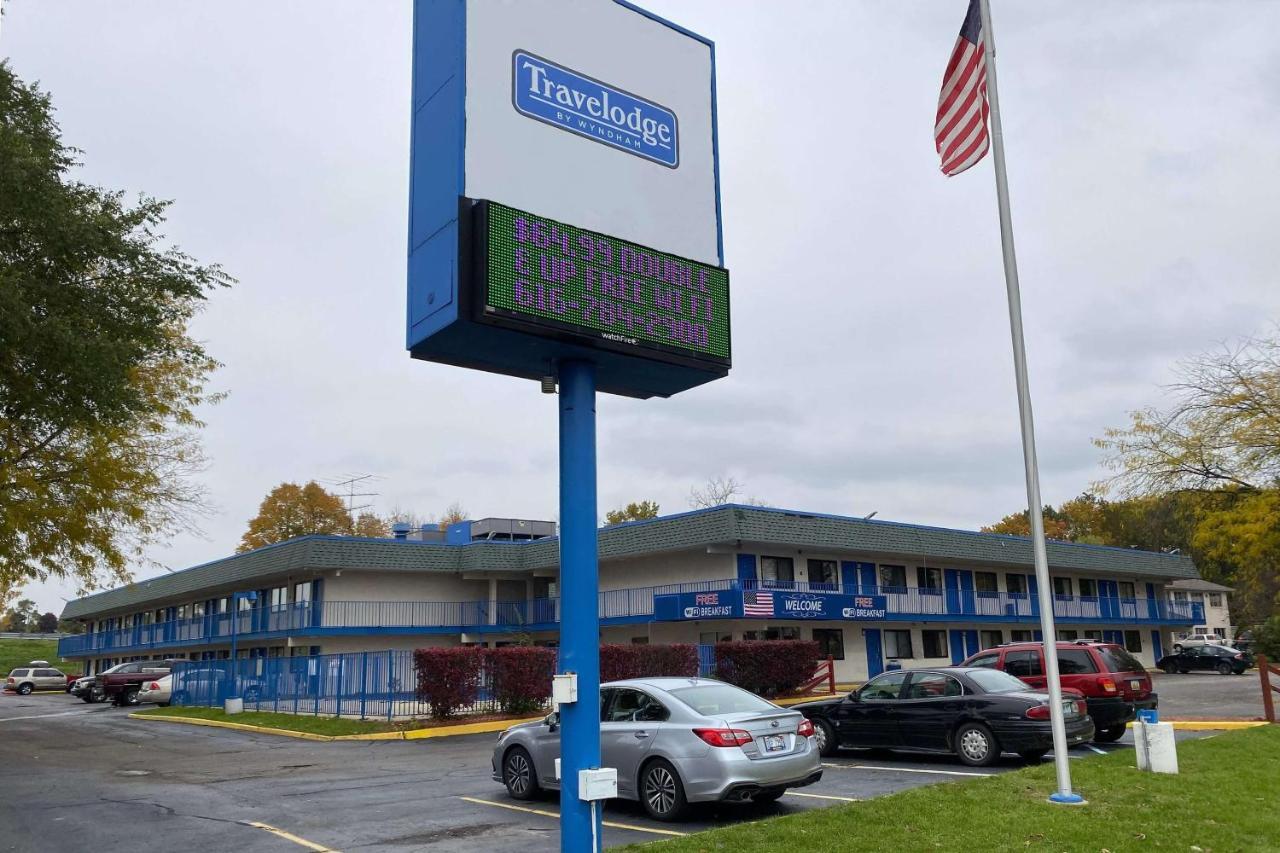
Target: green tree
[(99, 380), (47, 623), (634, 511), (1239, 541), (21, 617), (290, 510), (370, 526)]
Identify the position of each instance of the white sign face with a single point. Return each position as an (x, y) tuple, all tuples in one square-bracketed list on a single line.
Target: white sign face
[(611, 134)]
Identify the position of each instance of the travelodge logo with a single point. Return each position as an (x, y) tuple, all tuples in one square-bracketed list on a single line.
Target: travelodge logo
[(559, 96)]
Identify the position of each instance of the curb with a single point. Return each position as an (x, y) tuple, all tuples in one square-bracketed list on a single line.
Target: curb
[(1212, 725), (411, 734)]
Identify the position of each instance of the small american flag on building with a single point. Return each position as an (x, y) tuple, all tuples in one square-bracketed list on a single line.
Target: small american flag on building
[(757, 604), (960, 128)]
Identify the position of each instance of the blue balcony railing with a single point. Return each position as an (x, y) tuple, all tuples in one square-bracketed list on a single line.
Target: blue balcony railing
[(910, 603)]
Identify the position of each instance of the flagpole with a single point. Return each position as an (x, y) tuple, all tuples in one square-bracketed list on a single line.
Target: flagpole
[(1064, 793)]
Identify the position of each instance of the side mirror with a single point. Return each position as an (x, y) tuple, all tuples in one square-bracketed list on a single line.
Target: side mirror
[(854, 697), (552, 720)]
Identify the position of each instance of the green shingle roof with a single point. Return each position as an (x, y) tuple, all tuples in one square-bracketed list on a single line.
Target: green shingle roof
[(731, 524)]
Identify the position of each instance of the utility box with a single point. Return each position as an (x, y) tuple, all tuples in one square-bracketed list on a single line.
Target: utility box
[(598, 784), (1154, 743)]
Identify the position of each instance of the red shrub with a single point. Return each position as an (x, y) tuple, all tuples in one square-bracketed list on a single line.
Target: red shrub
[(521, 676), (767, 667), (449, 678), (639, 661)]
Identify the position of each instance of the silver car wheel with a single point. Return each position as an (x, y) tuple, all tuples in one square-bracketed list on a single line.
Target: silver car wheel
[(975, 745), (820, 737), (519, 773), (660, 789)]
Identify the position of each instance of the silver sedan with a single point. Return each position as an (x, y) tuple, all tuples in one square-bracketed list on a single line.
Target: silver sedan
[(674, 741)]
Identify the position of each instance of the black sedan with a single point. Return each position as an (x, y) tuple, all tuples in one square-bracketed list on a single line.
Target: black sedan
[(975, 712), (1220, 659)]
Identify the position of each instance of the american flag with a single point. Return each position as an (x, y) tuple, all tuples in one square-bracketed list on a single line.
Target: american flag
[(960, 130), (757, 604)]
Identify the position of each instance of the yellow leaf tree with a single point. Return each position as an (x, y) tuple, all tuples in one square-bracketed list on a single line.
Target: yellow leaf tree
[(290, 510)]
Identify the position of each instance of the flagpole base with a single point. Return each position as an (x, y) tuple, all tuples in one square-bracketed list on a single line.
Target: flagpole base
[(1068, 799)]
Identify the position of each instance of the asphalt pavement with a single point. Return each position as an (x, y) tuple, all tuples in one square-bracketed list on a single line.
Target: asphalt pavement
[(1208, 696), (81, 777)]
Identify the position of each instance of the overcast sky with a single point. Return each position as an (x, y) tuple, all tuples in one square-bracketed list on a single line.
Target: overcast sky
[(872, 366)]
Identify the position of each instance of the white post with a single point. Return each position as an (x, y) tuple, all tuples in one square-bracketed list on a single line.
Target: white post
[(1064, 793)]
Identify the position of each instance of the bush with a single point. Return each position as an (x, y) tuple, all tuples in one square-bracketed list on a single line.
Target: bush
[(619, 661), (449, 678), (521, 676), (1266, 639), (767, 667)]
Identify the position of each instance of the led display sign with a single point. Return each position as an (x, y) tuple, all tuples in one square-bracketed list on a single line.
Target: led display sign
[(548, 278)]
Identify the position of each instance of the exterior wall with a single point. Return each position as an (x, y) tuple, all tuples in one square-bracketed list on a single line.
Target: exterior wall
[(403, 586), (666, 568)]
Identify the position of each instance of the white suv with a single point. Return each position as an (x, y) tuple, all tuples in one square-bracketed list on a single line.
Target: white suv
[(37, 675), (1198, 640)]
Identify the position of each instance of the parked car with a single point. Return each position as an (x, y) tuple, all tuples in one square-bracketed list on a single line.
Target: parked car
[(1222, 659), (1114, 683), (37, 675), (204, 685), (1192, 640), (974, 712), (674, 741), (120, 684), (156, 692)]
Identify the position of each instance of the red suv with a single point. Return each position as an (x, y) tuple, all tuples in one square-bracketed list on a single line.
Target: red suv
[(1114, 683)]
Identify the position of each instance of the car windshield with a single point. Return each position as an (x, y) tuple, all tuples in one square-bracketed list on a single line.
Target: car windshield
[(1119, 660), (996, 681), (115, 668), (712, 699)]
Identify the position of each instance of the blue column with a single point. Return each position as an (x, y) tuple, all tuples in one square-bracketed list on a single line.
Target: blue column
[(579, 584)]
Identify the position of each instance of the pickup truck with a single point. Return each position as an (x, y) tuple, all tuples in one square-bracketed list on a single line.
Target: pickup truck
[(121, 684)]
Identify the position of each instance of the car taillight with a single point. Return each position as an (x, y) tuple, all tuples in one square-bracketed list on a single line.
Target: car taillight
[(1038, 712), (805, 729), (1082, 707), (724, 737), (1108, 685), (1239, 656), (153, 686)]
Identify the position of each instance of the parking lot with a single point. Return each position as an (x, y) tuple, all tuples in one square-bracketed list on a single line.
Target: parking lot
[(79, 777)]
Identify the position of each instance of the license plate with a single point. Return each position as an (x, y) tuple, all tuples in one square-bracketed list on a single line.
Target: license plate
[(1135, 684), (774, 743)]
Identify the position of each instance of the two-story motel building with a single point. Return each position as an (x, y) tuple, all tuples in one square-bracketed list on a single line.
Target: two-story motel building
[(871, 592)]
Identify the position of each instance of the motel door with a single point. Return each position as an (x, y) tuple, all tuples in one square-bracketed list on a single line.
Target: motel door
[(875, 655)]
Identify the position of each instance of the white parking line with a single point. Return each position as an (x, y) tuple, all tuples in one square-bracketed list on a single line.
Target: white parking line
[(556, 815), (1095, 749), (907, 770), (823, 797), (44, 716), (289, 836)]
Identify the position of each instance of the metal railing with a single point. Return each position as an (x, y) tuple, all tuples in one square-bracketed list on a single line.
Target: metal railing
[(544, 613), (367, 685)]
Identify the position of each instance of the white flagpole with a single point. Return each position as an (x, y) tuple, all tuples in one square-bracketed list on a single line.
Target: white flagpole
[(1064, 793)]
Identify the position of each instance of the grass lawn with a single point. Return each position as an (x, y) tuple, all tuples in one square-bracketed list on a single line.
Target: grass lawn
[(291, 722), (1226, 798), (15, 653)]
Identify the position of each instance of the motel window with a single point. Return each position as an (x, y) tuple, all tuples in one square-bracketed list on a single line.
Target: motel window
[(1016, 584), (934, 643), (897, 644), (785, 632), (302, 592), (985, 582), (1093, 634), (639, 641), (991, 639), (279, 596), (1088, 588), (893, 578), (1215, 599), (197, 609), (830, 642), (1127, 590), (707, 638), (777, 570), (1062, 587), (1067, 635), (824, 572), (1021, 636), (929, 578), (245, 604), (222, 605), (1179, 596), (1133, 641)]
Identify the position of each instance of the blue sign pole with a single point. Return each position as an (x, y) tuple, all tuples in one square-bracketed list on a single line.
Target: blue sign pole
[(579, 608)]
